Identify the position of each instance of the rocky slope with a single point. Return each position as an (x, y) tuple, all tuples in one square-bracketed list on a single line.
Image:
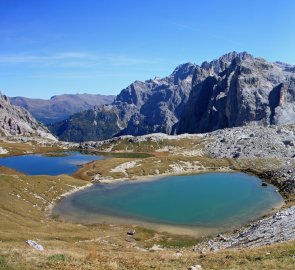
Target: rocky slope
[(274, 229), (252, 142), (16, 121), (60, 107), (242, 91), (141, 108)]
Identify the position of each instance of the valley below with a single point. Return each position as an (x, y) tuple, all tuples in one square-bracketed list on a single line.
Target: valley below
[(27, 201)]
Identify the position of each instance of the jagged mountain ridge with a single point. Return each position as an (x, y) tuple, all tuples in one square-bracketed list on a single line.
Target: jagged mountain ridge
[(16, 121), (143, 107), (60, 107), (235, 90), (249, 91)]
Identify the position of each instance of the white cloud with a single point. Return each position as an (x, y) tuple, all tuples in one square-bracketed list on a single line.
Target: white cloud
[(73, 59)]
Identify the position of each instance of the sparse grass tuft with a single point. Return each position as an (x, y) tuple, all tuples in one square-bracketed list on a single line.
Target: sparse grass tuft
[(56, 258), (143, 234), (177, 241), (4, 265)]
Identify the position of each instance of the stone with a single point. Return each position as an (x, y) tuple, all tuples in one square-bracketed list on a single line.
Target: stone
[(263, 184), (35, 245), (131, 232), (195, 267)]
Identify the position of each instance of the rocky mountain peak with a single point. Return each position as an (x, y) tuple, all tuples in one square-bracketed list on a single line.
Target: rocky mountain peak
[(249, 90), (4, 98), (218, 65), (236, 89), (183, 71), (286, 67), (16, 121)]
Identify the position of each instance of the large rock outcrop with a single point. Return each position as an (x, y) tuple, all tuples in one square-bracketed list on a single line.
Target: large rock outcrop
[(246, 90), (16, 121)]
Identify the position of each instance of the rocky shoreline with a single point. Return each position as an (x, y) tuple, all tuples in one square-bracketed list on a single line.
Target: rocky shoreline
[(279, 227)]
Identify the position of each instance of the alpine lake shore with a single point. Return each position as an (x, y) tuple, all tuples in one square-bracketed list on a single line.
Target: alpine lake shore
[(26, 203)]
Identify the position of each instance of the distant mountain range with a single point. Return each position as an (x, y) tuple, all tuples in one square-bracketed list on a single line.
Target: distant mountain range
[(236, 89), (60, 107)]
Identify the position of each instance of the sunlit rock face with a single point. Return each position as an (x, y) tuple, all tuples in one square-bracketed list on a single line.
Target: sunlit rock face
[(245, 90), (16, 121), (235, 90)]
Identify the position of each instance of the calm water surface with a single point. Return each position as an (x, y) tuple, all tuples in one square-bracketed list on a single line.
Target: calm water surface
[(220, 200), (48, 165)]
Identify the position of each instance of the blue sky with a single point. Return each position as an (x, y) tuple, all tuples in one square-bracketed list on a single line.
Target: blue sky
[(52, 47)]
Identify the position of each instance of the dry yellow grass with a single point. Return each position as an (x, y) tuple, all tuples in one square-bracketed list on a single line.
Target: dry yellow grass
[(23, 216)]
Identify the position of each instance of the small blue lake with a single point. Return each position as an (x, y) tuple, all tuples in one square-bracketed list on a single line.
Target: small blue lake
[(66, 163), (213, 200)]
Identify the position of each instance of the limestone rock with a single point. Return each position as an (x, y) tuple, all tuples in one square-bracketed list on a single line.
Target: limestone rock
[(196, 267), (16, 121), (240, 89)]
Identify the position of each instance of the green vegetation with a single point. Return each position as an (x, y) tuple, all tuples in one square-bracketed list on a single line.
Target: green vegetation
[(143, 234), (56, 258), (177, 241), (4, 265), (126, 155)]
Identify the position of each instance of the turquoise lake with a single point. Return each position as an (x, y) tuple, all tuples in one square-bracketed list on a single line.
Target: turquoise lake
[(48, 165), (213, 200)]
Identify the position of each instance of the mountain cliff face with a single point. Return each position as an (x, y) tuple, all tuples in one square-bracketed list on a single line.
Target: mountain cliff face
[(141, 108), (16, 121), (235, 90), (247, 90), (60, 107)]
